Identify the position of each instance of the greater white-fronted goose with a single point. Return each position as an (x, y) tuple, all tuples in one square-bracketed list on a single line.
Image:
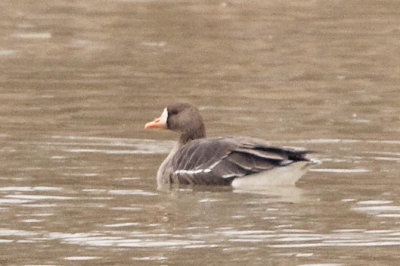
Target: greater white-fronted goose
[(238, 161)]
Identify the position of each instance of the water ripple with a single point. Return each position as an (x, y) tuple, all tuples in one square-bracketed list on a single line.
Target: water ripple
[(109, 145)]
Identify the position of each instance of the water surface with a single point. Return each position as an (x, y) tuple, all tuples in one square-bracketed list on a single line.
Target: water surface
[(79, 80)]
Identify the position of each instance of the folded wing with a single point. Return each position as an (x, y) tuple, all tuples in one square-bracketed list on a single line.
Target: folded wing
[(217, 161)]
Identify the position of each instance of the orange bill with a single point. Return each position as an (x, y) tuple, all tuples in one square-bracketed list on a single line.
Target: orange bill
[(160, 122)]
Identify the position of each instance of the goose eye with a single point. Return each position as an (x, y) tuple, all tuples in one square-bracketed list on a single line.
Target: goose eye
[(172, 112)]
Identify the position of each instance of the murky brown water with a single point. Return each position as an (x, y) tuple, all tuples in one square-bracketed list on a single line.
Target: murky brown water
[(80, 78)]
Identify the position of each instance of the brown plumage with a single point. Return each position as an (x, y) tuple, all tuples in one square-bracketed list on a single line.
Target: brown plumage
[(215, 161)]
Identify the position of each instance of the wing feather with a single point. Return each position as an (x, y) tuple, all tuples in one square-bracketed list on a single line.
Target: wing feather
[(220, 160)]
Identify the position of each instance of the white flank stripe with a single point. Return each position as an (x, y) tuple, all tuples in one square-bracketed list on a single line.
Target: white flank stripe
[(193, 172)]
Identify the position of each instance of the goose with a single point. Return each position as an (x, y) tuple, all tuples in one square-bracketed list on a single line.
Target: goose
[(241, 162)]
